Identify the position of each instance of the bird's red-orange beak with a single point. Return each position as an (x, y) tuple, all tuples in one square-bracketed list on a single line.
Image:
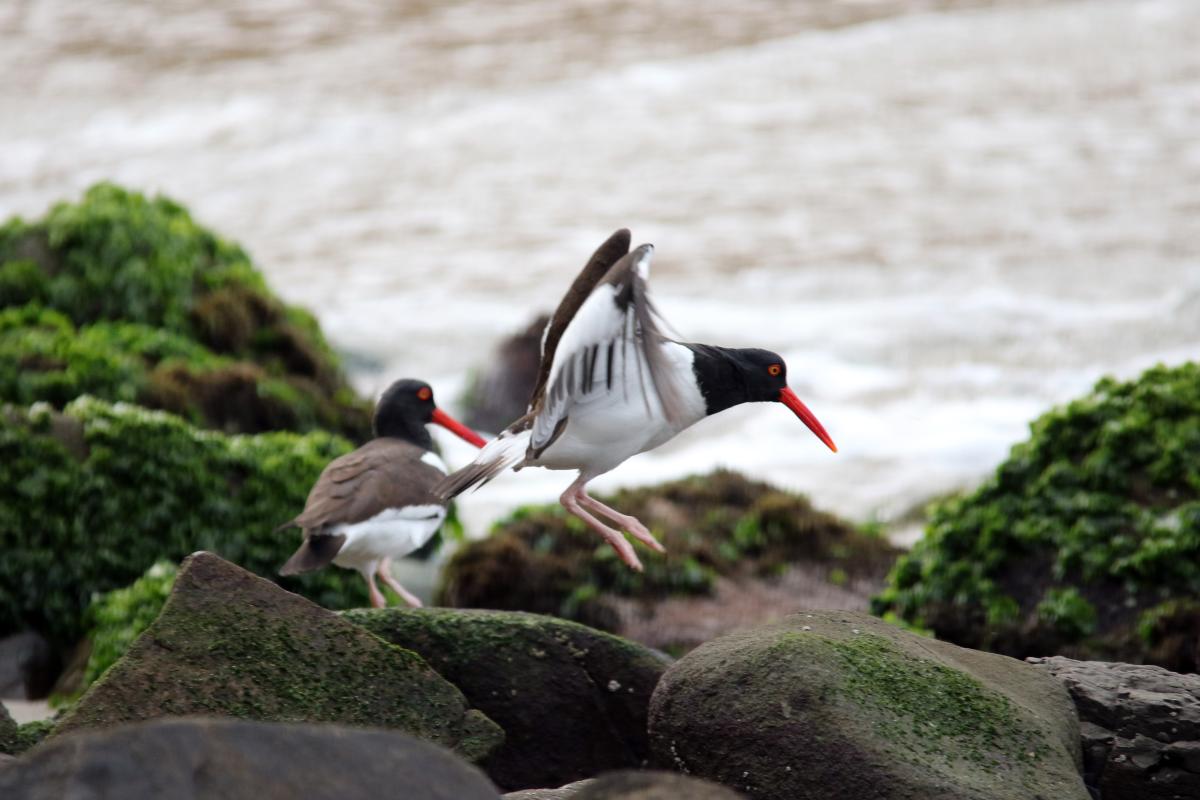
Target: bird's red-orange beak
[(789, 399), (458, 429)]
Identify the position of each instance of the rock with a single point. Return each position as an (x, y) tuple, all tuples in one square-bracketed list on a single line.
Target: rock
[(569, 792), (223, 758), (572, 700), (1084, 543), (1140, 724), (8, 731), (632, 785), (840, 704), (229, 643), (739, 553), (27, 665), (500, 393)]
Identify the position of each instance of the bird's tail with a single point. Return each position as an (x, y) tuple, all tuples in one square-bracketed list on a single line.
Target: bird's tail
[(316, 551), (506, 450)]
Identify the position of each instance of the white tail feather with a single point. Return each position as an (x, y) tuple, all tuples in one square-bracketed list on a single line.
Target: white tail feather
[(501, 453)]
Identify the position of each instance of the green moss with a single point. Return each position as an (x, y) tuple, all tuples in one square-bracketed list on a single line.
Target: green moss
[(118, 617), (30, 734), (127, 298), (1102, 503), (542, 560), (90, 500)]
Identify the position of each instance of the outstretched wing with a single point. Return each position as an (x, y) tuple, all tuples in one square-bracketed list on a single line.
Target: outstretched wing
[(612, 344), (606, 255)]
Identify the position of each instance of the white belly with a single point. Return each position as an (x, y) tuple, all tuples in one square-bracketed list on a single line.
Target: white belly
[(608, 427), (389, 534)]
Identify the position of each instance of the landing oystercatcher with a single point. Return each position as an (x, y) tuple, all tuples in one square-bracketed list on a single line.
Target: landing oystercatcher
[(612, 385), (377, 503)]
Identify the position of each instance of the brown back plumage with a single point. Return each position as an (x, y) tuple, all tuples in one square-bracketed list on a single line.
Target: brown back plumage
[(384, 473)]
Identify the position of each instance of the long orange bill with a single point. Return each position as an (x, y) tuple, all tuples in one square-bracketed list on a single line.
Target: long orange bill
[(789, 399), (458, 429)]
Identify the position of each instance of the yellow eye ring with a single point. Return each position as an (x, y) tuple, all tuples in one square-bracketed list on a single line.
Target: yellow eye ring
[(774, 370), (424, 393)]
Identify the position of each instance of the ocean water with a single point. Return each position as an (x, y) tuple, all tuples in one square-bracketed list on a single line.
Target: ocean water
[(948, 216)]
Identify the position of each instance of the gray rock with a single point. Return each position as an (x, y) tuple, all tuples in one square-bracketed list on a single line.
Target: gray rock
[(1140, 726), (224, 758), (27, 665), (632, 785), (569, 792), (228, 643), (572, 700), (830, 704)]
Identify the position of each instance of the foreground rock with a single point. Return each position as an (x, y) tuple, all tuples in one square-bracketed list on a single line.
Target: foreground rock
[(739, 553), (229, 643), (572, 700), (632, 785), (840, 704), (1141, 727), (222, 758)]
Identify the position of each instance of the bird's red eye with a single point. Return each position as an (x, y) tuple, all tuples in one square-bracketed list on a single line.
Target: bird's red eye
[(774, 370), (424, 393)]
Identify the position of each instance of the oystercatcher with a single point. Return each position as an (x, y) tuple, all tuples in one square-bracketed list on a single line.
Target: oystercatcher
[(612, 385), (377, 503)]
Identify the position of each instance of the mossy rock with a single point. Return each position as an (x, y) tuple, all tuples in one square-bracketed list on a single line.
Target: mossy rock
[(8, 732), (1086, 541), (231, 644), (92, 497), (714, 526), (127, 298), (572, 700), (840, 704)]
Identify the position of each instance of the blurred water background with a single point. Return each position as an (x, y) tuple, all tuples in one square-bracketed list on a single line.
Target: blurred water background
[(947, 216)]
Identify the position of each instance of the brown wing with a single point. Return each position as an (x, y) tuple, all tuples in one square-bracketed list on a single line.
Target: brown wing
[(589, 277), (383, 473)]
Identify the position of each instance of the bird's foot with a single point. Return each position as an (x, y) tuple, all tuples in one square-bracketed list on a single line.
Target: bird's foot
[(385, 574), (627, 523)]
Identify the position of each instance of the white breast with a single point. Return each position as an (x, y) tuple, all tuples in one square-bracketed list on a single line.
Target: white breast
[(392, 533), (608, 427)]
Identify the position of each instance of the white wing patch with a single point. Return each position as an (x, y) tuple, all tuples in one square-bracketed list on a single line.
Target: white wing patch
[(434, 460)]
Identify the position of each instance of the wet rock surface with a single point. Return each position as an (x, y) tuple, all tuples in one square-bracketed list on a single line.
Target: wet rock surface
[(229, 643), (571, 700), (1140, 725), (224, 758), (840, 704)]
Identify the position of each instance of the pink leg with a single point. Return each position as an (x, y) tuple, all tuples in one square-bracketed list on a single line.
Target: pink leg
[(570, 501), (385, 574), (377, 598), (628, 523)]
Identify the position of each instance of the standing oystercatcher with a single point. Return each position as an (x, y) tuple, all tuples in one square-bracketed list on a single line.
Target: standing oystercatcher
[(611, 385), (377, 503)]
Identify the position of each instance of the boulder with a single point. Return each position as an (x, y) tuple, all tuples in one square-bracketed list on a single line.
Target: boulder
[(739, 553), (27, 665), (224, 758), (572, 700), (632, 785), (1141, 727), (840, 704), (229, 643), (500, 393)]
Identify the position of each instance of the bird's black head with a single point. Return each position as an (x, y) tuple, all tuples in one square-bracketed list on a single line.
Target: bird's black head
[(728, 377), (407, 407)]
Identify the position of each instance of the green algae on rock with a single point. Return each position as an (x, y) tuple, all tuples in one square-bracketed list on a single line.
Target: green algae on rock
[(229, 643), (825, 704), (1084, 542), (92, 497), (124, 270), (720, 524), (572, 700)]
